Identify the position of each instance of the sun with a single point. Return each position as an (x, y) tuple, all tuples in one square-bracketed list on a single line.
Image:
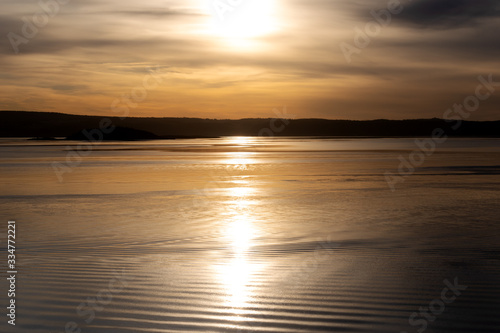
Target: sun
[(241, 19)]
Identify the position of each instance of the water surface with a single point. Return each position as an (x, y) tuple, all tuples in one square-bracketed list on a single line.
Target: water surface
[(253, 235)]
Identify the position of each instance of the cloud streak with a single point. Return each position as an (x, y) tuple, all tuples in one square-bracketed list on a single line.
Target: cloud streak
[(449, 14)]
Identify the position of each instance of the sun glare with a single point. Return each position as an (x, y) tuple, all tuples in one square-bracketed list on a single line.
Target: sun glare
[(240, 160), (240, 21), (237, 274), (240, 140), (236, 279)]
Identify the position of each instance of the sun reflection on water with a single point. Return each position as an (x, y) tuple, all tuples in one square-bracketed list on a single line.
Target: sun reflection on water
[(236, 277), (239, 192), (241, 140), (241, 159), (239, 232)]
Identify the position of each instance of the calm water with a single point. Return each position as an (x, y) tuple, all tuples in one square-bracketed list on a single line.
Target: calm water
[(253, 235)]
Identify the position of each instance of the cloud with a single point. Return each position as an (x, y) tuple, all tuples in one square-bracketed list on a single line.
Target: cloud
[(68, 88), (159, 13), (448, 14)]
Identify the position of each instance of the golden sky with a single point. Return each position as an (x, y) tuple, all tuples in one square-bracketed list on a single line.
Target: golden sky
[(243, 58)]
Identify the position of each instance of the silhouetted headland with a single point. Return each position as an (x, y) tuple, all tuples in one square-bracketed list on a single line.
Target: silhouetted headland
[(117, 134), (43, 138), (46, 124)]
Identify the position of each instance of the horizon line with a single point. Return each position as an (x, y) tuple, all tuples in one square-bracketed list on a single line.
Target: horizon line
[(235, 119)]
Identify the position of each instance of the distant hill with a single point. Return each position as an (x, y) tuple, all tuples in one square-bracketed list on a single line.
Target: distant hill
[(118, 134), (46, 124)]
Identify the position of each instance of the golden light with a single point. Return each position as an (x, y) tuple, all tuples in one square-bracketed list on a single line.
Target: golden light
[(239, 192), (239, 160), (236, 275), (240, 232), (239, 203), (238, 21), (241, 140)]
